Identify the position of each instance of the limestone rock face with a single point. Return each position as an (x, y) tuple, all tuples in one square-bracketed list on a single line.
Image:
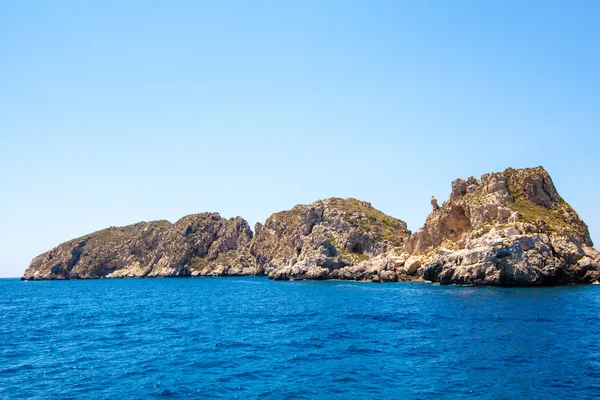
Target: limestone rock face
[(329, 239), (509, 228), (199, 244)]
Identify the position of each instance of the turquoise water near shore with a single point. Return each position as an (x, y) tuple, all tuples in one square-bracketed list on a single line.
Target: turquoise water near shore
[(256, 338)]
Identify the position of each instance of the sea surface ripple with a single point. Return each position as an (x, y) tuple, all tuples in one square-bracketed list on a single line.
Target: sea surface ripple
[(256, 338)]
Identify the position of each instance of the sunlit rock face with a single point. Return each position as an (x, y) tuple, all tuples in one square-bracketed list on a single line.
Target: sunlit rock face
[(508, 228), (329, 239)]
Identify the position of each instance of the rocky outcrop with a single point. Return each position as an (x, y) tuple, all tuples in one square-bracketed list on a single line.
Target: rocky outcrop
[(509, 228), (329, 239), (199, 244)]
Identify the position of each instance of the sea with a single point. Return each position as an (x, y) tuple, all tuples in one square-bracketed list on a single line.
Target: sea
[(254, 338)]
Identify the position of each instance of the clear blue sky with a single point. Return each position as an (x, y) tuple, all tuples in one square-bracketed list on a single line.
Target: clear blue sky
[(112, 112)]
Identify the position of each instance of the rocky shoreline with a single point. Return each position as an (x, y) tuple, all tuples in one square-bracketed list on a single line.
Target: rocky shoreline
[(505, 229)]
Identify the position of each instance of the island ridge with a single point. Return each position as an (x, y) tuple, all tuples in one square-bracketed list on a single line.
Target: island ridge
[(506, 229)]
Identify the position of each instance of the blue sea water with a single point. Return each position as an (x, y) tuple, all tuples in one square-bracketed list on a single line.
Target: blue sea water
[(256, 338)]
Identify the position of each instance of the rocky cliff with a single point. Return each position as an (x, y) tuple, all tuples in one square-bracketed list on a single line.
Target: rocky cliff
[(199, 244), (329, 239), (508, 228)]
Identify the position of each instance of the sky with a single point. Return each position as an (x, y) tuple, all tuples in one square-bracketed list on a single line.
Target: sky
[(114, 112)]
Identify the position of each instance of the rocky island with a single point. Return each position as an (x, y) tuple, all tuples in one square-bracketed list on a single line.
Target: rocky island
[(508, 229)]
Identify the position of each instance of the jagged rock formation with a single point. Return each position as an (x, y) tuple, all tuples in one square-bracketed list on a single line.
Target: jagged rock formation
[(199, 244), (329, 239), (509, 228)]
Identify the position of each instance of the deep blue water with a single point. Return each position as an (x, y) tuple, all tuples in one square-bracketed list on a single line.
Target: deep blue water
[(255, 338)]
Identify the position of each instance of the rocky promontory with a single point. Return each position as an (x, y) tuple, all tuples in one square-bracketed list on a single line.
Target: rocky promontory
[(509, 228), (198, 244), (329, 239)]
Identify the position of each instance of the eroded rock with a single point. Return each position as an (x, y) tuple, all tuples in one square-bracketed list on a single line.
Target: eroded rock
[(329, 239), (199, 244), (511, 228)]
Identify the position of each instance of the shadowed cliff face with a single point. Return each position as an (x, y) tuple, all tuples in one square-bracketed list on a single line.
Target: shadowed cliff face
[(195, 245), (509, 228)]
